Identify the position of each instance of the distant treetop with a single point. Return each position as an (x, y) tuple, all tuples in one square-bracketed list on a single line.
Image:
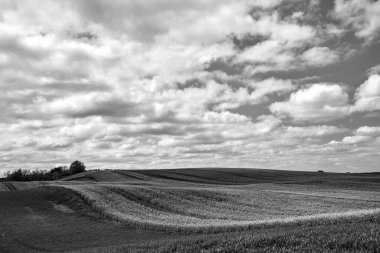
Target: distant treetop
[(77, 167), (40, 175)]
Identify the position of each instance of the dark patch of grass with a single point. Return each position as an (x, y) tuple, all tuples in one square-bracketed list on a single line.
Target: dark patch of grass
[(30, 223)]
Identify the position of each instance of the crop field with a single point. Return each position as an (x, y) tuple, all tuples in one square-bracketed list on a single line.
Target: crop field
[(354, 235), (193, 210), (220, 207)]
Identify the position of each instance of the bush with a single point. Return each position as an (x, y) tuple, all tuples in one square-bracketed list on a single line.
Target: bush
[(77, 167)]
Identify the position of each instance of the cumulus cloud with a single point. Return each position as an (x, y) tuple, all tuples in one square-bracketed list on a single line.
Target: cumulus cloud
[(272, 55), (313, 131), (270, 86), (368, 131), (320, 56), (355, 139), (92, 104), (324, 102), (319, 102), (374, 70), (362, 15), (132, 83), (367, 96), (364, 135)]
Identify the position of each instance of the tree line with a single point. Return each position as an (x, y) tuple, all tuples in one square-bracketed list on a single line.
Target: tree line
[(44, 175)]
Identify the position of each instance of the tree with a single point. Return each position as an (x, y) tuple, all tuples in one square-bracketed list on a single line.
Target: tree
[(17, 175), (57, 170), (77, 167)]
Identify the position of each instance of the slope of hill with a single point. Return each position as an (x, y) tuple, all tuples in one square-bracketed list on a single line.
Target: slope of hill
[(225, 207), (53, 219), (97, 209), (232, 176)]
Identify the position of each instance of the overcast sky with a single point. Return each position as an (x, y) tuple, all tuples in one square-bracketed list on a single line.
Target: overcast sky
[(197, 83)]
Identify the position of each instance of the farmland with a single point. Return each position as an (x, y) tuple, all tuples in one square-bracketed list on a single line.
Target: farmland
[(191, 209)]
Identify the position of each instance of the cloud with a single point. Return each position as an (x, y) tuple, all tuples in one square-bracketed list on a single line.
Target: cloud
[(269, 86), (266, 124), (131, 83), (364, 135), (269, 54), (374, 70), (147, 22), (313, 131), (273, 55), (320, 56), (367, 95), (355, 139), (317, 103), (324, 102), (368, 131), (362, 15), (224, 117), (92, 104)]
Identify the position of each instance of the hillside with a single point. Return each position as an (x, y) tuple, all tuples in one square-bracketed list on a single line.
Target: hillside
[(231, 176), (171, 208)]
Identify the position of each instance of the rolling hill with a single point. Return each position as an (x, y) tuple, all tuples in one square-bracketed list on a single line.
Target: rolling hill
[(122, 210)]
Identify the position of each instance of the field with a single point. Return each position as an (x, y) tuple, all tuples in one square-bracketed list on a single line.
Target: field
[(192, 210)]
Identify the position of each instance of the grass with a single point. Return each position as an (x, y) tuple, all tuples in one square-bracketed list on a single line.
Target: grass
[(187, 209), (31, 222), (233, 176), (195, 210), (354, 235)]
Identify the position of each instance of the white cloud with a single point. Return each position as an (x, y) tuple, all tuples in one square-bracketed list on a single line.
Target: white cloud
[(319, 56), (184, 22), (91, 104), (363, 15), (319, 102), (313, 131), (266, 124), (363, 136), (224, 117), (374, 70), (130, 83), (367, 95), (268, 52), (368, 131), (355, 139), (269, 86), (272, 55)]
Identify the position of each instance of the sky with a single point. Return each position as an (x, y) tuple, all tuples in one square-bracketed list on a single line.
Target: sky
[(131, 84)]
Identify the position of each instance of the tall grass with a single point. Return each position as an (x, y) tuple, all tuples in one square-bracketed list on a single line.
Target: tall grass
[(214, 209), (359, 234)]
